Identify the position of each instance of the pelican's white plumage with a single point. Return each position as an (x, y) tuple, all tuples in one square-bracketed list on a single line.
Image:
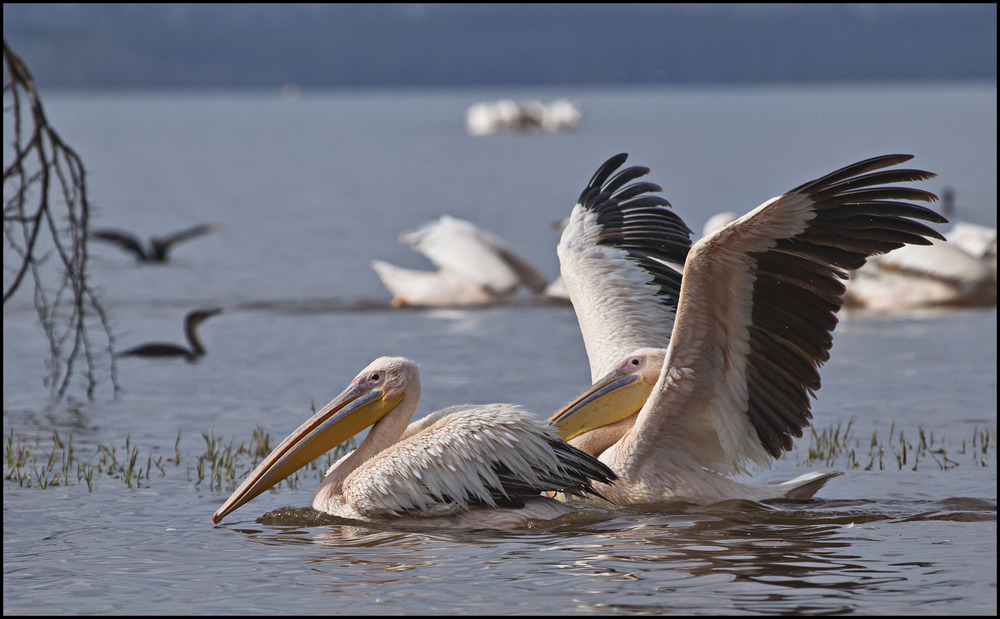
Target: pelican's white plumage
[(960, 271), (620, 257), (470, 466), (475, 267), (755, 316)]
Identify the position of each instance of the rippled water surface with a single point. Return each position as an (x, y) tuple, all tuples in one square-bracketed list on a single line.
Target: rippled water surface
[(308, 192)]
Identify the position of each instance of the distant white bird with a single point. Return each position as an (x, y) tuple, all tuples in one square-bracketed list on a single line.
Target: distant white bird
[(560, 115), (719, 220), (471, 466), (481, 119), (475, 267), (958, 272), (979, 241), (755, 314)]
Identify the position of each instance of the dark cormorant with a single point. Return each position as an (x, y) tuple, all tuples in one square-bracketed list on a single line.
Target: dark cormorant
[(191, 322), (158, 247)]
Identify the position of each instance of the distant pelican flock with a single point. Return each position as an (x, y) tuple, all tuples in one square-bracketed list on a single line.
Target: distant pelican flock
[(470, 466), (509, 116), (756, 307)]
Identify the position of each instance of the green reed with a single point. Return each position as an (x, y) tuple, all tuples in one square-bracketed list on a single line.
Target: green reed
[(224, 464), (63, 463), (837, 446), (59, 462)]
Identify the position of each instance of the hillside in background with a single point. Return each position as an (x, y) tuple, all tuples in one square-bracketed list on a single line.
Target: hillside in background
[(87, 46)]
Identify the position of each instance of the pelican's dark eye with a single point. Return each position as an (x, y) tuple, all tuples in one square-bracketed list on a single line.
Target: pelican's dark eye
[(634, 361), (375, 376)]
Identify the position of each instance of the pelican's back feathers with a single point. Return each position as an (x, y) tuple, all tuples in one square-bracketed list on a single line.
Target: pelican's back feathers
[(465, 455)]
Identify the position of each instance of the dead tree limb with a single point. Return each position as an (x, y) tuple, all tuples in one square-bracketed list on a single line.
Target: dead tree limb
[(45, 222)]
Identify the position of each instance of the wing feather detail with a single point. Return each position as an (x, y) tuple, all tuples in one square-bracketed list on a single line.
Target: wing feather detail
[(494, 454), (621, 256), (758, 308)]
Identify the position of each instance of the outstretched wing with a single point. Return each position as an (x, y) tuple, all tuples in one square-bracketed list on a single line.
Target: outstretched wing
[(621, 255), (162, 245), (122, 239), (757, 312)]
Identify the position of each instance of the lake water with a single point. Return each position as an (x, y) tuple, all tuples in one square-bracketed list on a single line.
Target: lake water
[(310, 191)]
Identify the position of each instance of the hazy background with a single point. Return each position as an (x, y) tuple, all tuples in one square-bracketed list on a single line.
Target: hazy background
[(251, 46)]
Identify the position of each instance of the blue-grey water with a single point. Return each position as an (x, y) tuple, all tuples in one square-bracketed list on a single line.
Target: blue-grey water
[(309, 191)]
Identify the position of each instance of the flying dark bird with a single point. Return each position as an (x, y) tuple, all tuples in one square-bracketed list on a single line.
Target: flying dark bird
[(158, 248), (158, 349)]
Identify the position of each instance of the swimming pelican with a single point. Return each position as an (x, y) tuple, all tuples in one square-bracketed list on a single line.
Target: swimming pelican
[(754, 321), (475, 267), (158, 247), (979, 241), (191, 322), (471, 466), (958, 272)]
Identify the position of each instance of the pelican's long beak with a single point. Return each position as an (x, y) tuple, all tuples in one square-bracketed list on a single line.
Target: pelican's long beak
[(349, 413), (612, 398)]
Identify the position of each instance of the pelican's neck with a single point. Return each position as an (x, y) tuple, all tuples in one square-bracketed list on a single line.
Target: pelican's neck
[(385, 433), (596, 441)]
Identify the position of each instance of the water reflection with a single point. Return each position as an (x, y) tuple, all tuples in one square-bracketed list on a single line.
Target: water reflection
[(786, 557)]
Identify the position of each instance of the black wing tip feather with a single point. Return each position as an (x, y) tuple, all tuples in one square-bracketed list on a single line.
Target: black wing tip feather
[(858, 168), (582, 469), (858, 213), (604, 172), (638, 206)]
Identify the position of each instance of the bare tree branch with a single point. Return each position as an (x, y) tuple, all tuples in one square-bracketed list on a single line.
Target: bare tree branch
[(46, 235)]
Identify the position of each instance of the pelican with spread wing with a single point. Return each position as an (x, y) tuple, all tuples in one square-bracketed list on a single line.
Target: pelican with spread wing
[(479, 466), (475, 267), (755, 314)]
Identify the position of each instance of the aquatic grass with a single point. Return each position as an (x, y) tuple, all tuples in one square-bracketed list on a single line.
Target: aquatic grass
[(836, 446), (32, 465), (223, 464), (225, 467)]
